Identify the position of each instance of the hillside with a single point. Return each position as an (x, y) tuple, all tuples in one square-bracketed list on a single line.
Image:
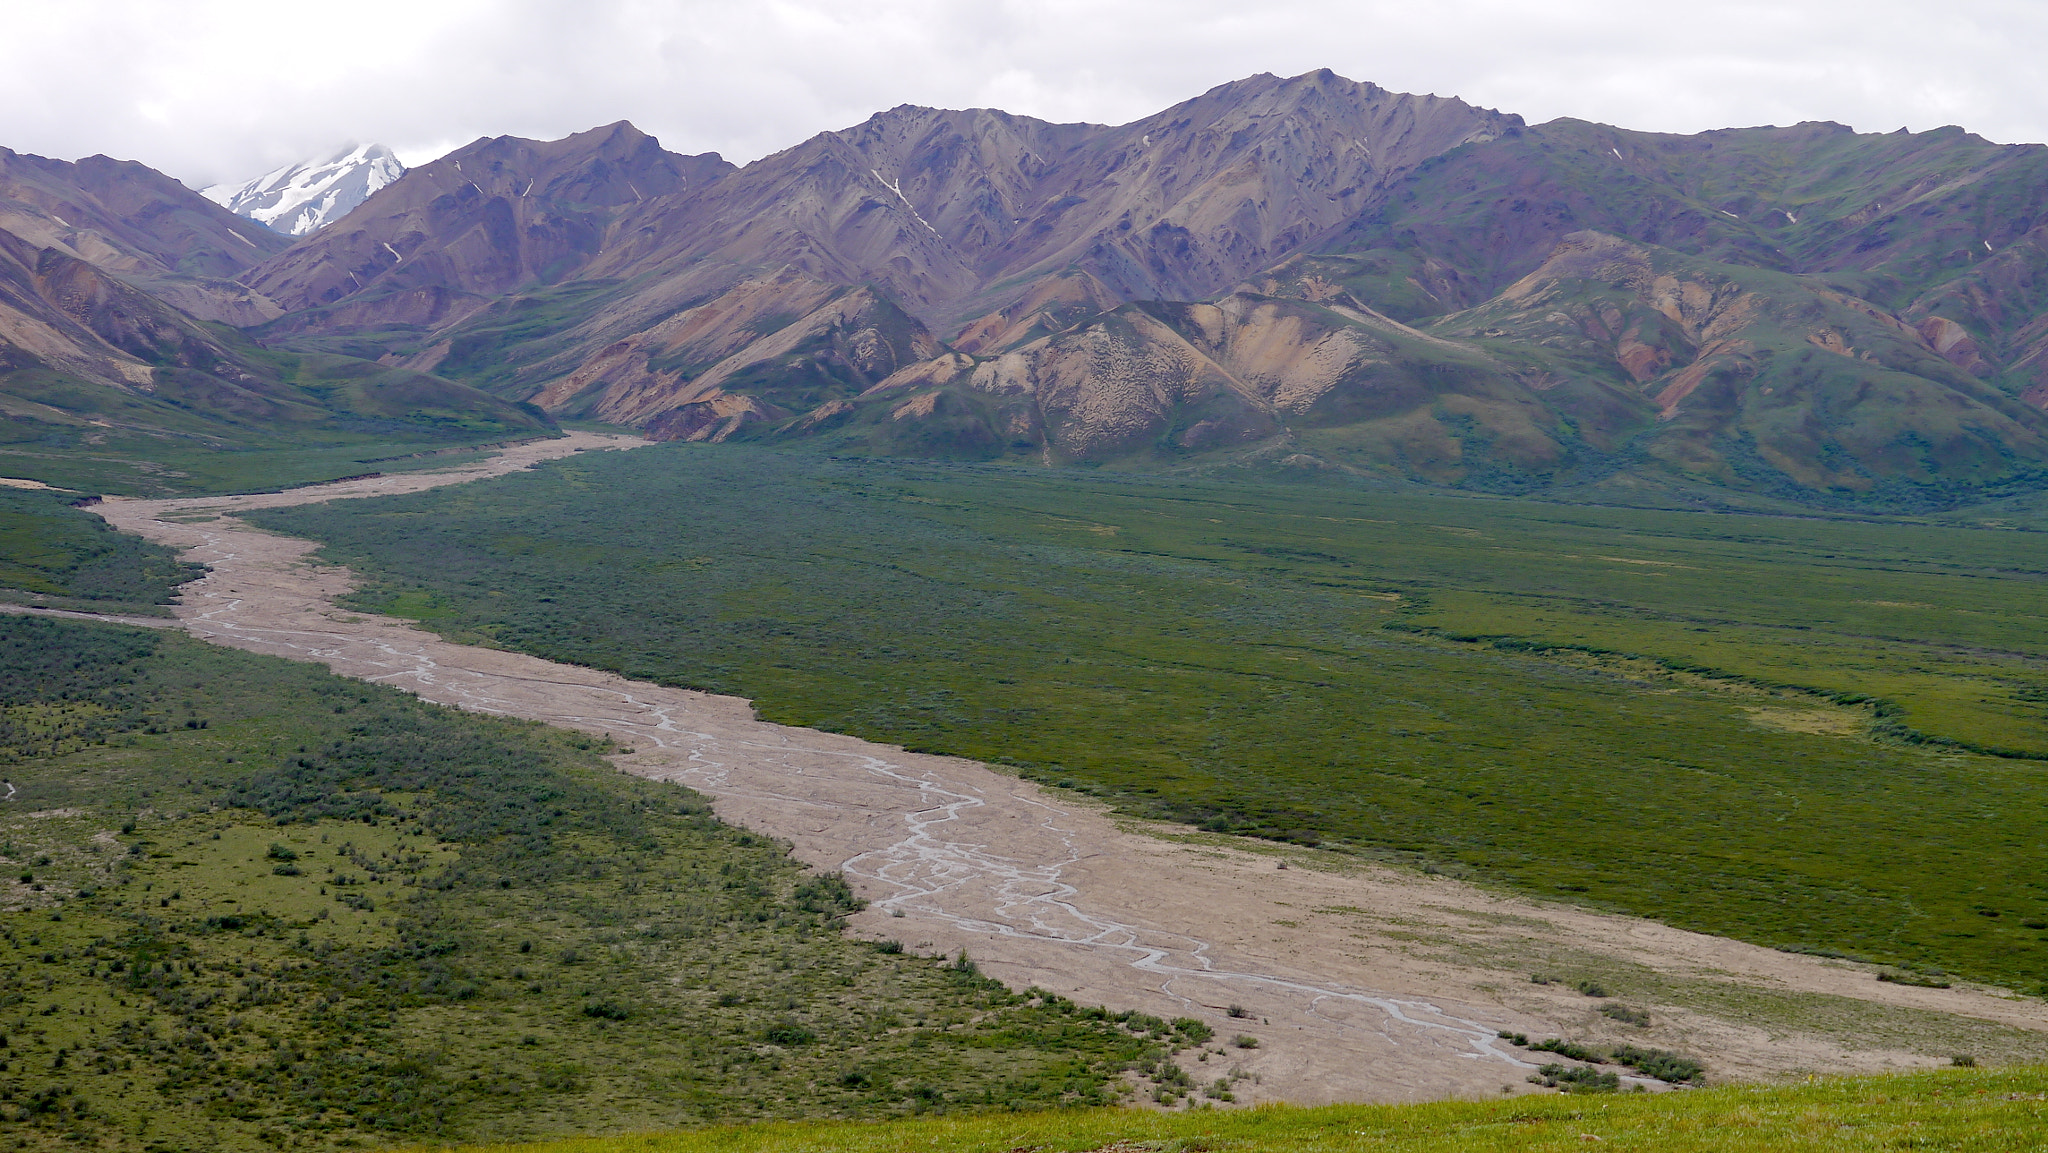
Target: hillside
[(248, 898)]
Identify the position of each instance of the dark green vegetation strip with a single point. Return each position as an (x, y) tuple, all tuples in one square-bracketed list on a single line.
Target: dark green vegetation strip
[(1259, 661), (59, 556), (249, 903)]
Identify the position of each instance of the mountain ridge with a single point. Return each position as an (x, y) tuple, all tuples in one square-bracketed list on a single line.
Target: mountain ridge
[(1304, 277)]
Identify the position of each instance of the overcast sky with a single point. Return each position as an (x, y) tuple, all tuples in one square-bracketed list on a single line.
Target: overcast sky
[(211, 90)]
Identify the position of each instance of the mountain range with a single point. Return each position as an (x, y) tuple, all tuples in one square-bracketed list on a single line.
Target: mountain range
[(1302, 277)]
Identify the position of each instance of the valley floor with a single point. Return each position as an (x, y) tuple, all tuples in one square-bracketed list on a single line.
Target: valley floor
[(1359, 983)]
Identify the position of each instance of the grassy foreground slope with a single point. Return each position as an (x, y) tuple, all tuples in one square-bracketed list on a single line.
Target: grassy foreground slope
[(1753, 726), (249, 904), (1960, 1110)]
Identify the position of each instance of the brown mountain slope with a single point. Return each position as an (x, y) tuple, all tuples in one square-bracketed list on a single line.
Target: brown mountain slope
[(953, 212), (1052, 304), (82, 348), (108, 381), (1183, 204), (949, 212), (1311, 385), (63, 313), (1995, 317), (451, 236), (1886, 212), (1610, 353), (141, 225), (810, 341), (945, 214)]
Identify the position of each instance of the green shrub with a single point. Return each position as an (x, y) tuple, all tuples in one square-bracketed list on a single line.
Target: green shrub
[(1625, 1014), (1576, 1079), (1572, 1049), (1659, 1063)]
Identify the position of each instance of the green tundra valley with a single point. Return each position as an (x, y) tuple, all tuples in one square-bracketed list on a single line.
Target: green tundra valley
[(1315, 618)]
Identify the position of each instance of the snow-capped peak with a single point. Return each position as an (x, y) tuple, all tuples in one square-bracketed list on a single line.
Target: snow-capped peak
[(300, 199)]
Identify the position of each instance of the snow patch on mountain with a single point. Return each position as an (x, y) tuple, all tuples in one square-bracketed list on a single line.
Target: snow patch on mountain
[(300, 199)]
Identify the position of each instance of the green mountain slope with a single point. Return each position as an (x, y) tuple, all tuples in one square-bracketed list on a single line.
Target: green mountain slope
[(1760, 379)]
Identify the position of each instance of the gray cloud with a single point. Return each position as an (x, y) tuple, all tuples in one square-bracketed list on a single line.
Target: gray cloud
[(211, 90)]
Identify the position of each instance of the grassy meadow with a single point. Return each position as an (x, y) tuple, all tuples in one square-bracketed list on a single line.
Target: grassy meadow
[(1819, 734), (1960, 1110), (248, 904)]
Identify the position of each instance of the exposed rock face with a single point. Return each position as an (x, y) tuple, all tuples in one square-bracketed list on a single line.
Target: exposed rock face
[(1812, 198), (1053, 304), (941, 209), (1024, 226), (816, 341), (105, 265), (945, 211), (1170, 382), (1995, 316), (58, 311), (131, 217)]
